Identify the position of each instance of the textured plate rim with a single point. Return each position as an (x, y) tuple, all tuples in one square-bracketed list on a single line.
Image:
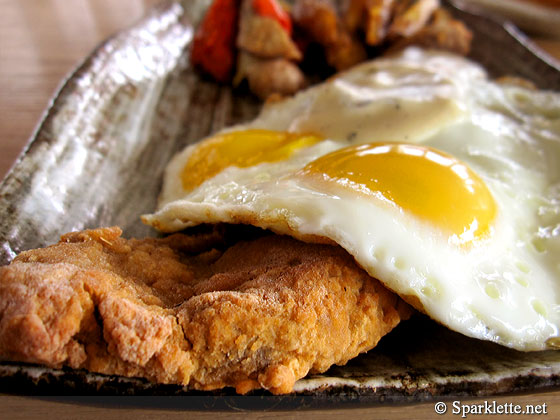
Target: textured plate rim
[(65, 88)]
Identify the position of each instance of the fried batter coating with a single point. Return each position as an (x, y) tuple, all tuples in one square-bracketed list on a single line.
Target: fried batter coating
[(190, 310)]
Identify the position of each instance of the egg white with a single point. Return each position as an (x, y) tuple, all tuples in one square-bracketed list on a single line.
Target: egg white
[(505, 288)]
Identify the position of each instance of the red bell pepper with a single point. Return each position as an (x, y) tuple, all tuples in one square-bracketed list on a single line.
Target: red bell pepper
[(213, 48)]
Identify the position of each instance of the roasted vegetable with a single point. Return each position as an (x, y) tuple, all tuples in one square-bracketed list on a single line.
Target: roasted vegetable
[(271, 9), (264, 36), (266, 39), (378, 16), (442, 32), (213, 48), (275, 77), (411, 16), (370, 16), (320, 21)]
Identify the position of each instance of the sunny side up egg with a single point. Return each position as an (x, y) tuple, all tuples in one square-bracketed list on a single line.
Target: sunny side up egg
[(441, 184)]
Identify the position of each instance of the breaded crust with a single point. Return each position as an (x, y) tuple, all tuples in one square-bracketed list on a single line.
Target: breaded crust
[(261, 313)]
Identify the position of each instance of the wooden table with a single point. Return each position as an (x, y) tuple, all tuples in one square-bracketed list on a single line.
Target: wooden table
[(40, 42)]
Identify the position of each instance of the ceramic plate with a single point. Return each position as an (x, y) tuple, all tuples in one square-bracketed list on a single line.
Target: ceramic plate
[(97, 160), (530, 16)]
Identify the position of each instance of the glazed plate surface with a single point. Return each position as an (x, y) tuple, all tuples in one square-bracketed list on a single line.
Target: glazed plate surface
[(97, 159)]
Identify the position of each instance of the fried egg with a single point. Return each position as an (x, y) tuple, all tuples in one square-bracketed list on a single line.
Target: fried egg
[(442, 184)]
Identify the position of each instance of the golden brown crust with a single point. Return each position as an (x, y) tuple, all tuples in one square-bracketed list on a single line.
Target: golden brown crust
[(262, 313)]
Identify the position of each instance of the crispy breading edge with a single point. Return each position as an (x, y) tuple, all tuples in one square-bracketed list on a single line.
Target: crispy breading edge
[(263, 313)]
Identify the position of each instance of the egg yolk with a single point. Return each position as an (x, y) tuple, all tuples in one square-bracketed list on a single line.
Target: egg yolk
[(422, 181), (242, 149)]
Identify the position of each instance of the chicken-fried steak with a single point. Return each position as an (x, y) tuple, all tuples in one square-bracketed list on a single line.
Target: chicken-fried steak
[(187, 309)]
